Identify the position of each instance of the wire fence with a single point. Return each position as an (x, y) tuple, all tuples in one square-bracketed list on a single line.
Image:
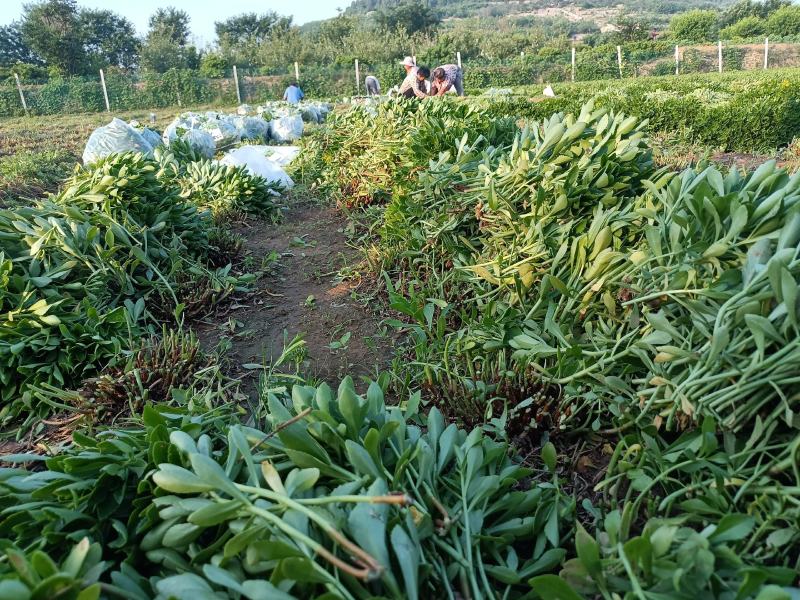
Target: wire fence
[(120, 91)]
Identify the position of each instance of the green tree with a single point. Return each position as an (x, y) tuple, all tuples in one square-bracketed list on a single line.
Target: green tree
[(410, 16), (694, 26), (213, 65), (631, 28), (108, 38), (167, 43), (171, 24), (13, 48), (745, 28), (751, 8), (784, 22), (239, 38), (336, 29), (52, 30), (251, 28)]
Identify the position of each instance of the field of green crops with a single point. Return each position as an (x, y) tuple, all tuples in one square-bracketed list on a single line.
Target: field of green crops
[(596, 393)]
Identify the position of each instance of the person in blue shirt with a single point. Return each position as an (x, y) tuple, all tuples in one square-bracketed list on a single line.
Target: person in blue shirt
[(293, 93)]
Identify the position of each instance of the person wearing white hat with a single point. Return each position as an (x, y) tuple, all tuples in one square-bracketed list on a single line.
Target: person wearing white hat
[(410, 83)]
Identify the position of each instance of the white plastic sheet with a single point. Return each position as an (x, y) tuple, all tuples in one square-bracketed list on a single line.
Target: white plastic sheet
[(255, 161), (286, 129), (201, 141), (115, 137)]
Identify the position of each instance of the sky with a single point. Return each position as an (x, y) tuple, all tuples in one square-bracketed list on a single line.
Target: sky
[(202, 12)]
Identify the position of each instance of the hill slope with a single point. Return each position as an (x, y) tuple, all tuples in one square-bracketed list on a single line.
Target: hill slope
[(493, 8)]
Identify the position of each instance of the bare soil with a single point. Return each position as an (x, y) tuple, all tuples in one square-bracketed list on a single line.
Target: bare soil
[(315, 289)]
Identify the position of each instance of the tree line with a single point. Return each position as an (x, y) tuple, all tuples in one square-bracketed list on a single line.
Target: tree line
[(61, 38)]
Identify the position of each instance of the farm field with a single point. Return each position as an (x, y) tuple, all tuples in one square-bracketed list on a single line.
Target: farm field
[(485, 348), (551, 326)]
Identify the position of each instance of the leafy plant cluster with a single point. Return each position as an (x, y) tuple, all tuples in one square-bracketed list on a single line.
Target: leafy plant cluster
[(372, 152), (128, 242), (659, 304), (740, 112), (337, 495)]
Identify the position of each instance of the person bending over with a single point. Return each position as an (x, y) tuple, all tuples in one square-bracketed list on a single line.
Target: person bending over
[(373, 86), (445, 78), (419, 88), (411, 86)]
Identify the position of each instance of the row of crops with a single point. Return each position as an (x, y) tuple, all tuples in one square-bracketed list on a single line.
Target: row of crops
[(128, 244), (741, 112), (598, 393), (555, 284)]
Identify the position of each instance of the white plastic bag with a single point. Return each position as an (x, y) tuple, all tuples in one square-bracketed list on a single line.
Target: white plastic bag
[(223, 131), (252, 128), (280, 155), (548, 91), (115, 137), (244, 109), (286, 129), (151, 137), (309, 114), (200, 141), (255, 161)]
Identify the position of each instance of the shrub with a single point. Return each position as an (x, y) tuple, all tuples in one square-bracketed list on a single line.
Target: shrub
[(694, 26), (213, 66), (784, 22), (746, 28)]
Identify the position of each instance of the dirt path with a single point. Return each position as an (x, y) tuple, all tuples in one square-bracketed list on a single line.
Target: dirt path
[(312, 287)]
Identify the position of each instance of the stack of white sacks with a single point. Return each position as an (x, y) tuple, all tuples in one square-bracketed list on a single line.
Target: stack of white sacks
[(210, 131)]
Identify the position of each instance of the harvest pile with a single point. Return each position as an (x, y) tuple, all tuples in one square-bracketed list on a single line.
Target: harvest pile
[(129, 242), (557, 281)]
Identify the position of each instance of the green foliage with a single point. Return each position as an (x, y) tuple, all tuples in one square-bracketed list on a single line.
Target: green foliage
[(166, 46), (741, 112), (394, 136), (745, 28), (784, 21), (52, 30), (70, 40), (638, 298), (222, 189), (213, 66), (240, 37), (410, 16), (13, 49), (694, 26), (85, 273), (702, 563), (188, 496), (27, 174), (38, 575), (108, 39), (744, 9), (171, 24)]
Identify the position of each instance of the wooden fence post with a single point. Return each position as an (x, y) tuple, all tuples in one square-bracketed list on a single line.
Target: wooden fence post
[(573, 63), (358, 79), (458, 57), (677, 61), (766, 53), (719, 55), (296, 71), (236, 83), (105, 91), (21, 95), (619, 60)]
